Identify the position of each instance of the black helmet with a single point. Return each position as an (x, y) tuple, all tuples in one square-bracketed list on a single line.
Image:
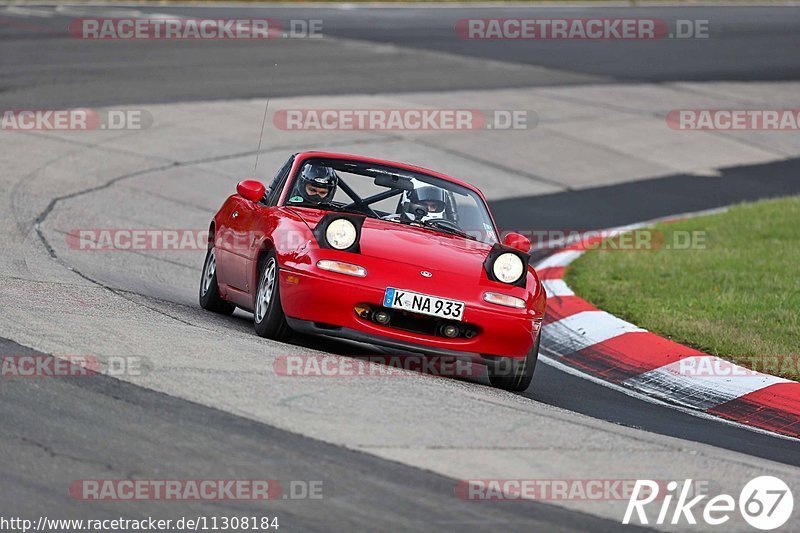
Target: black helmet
[(432, 198), (319, 177)]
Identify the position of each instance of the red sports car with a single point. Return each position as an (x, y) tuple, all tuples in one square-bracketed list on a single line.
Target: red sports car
[(379, 252)]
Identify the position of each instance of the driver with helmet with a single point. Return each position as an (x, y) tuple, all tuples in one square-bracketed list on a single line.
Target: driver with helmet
[(315, 185), (432, 199)]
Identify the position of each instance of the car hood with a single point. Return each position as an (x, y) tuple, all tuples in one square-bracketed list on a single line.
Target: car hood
[(421, 247)]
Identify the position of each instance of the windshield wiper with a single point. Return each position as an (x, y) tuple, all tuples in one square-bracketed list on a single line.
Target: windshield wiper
[(431, 224), (448, 229)]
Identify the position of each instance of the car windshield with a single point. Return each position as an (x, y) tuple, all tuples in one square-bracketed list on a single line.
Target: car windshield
[(391, 194)]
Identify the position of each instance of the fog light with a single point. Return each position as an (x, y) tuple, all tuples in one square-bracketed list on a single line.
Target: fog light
[(381, 317), (450, 331)]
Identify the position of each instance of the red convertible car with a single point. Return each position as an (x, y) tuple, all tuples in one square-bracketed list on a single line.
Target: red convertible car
[(379, 252)]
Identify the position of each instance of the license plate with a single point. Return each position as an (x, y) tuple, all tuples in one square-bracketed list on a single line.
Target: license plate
[(423, 304)]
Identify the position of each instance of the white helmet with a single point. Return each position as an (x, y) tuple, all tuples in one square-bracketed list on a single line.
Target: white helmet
[(433, 199)]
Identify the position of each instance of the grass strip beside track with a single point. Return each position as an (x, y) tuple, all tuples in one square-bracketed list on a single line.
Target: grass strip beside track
[(737, 296)]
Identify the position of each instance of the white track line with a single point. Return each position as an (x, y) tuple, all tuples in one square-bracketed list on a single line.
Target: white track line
[(28, 12), (559, 259), (556, 287)]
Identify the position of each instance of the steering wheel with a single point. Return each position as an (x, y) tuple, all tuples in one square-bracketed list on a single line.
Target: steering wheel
[(444, 222)]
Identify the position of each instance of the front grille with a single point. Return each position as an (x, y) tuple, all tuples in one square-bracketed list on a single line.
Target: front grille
[(416, 323)]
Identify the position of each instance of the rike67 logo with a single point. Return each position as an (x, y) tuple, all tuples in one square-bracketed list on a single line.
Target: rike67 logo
[(766, 503)]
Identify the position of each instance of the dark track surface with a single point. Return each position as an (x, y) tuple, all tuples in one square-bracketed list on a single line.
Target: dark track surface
[(41, 65), (628, 203), (59, 430), (744, 43)]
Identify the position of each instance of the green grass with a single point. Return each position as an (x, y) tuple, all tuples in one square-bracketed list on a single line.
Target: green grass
[(738, 297)]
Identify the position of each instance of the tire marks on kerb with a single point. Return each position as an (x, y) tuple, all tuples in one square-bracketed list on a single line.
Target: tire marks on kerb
[(700, 392), (582, 330)]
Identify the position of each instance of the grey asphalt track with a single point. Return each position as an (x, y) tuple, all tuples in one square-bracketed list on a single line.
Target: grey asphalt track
[(65, 429), (41, 64)]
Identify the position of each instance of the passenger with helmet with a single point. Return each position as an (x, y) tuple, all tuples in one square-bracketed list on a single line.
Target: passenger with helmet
[(432, 199), (315, 185)]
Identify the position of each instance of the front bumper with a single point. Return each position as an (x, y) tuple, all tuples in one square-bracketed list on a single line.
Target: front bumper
[(323, 303), (313, 328)]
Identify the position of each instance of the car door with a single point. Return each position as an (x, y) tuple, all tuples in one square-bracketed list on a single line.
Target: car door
[(223, 243), (244, 228), (241, 234), (264, 222)]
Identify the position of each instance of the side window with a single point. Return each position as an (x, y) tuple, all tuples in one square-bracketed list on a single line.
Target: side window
[(276, 187)]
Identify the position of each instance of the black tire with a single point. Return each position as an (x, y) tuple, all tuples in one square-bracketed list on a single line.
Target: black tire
[(268, 317), (210, 298), (515, 374)]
